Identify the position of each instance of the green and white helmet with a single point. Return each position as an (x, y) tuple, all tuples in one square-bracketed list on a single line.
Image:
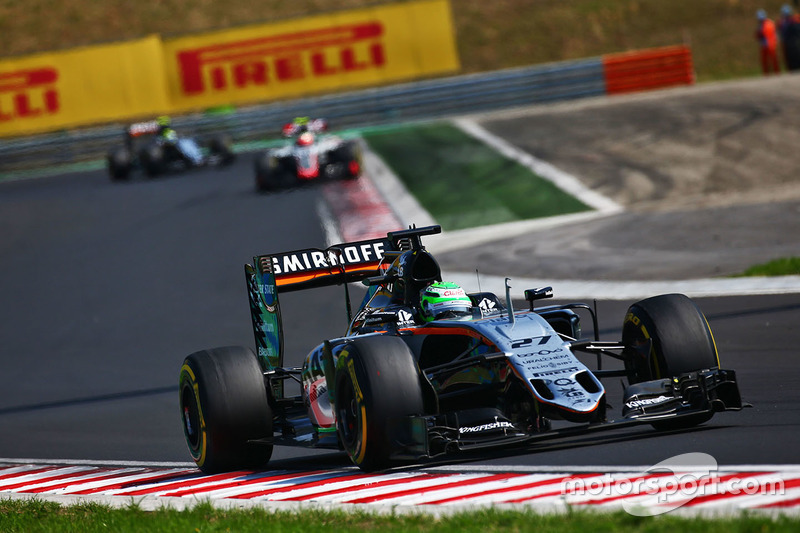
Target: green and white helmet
[(443, 300)]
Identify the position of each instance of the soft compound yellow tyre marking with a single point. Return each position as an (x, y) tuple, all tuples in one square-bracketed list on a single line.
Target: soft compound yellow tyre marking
[(713, 342), (636, 321), (363, 448), (203, 441), (652, 350), (358, 458)]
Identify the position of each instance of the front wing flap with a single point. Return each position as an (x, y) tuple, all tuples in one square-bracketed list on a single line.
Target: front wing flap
[(694, 392)]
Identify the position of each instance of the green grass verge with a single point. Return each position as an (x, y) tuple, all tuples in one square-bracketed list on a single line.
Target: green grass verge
[(35, 516), (786, 266), (464, 183)]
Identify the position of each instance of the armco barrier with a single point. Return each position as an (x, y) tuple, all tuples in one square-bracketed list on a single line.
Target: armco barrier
[(413, 101)]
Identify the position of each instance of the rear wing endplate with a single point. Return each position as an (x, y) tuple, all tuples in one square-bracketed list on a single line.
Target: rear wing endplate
[(272, 274)]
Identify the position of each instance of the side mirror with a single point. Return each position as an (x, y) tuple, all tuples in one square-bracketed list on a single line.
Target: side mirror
[(541, 293)]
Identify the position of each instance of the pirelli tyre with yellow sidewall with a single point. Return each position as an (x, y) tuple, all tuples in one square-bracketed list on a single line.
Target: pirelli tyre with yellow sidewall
[(224, 407), (377, 380)]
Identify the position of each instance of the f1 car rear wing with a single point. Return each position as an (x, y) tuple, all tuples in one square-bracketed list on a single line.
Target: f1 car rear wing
[(340, 264), (313, 267), (138, 129)]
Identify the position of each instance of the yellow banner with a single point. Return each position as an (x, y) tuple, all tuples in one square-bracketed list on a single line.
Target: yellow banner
[(50, 91), (130, 80), (293, 58)]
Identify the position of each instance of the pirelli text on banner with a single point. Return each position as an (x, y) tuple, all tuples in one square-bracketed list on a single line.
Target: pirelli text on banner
[(347, 49), (28, 93), (288, 59), (284, 58), (84, 86)]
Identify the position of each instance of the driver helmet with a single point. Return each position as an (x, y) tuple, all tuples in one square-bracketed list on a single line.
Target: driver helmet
[(163, 121), (443, 299), (305, 139)]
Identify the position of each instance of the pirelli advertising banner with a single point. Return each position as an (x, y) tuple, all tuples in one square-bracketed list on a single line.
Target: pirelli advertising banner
[(293, 58), (51, 91), (370, 46)]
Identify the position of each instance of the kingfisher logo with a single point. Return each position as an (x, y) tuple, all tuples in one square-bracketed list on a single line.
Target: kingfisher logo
[(28, 93), (282, 58)]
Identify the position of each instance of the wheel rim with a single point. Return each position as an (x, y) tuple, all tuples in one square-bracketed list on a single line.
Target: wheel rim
[(347, 415), (191, 417)]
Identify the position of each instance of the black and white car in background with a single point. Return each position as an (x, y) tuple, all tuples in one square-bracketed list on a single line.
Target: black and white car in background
[(311, 156)]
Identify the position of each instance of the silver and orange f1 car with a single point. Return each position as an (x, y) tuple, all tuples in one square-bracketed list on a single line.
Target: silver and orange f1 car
[(396, 388)]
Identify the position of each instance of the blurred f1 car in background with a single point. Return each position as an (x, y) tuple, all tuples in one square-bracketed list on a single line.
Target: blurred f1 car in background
[(409, 381), (154, 148), (312, 155)]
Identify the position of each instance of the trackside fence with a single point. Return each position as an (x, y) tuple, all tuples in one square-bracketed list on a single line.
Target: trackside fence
[(387, 105)]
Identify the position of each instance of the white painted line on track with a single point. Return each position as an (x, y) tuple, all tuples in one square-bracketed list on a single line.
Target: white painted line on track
[(470, 237), (15, 462), (563, 180), (97, 462), (632, 290)]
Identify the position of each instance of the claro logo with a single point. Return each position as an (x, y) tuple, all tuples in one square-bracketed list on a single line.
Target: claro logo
[(282, 58), (28, 93)]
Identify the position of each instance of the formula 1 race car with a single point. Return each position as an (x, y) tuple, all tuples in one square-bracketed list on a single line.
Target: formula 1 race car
[(418, 376), (311, 156), (145, 149)]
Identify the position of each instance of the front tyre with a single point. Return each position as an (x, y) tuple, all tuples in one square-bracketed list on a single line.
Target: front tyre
[(351, 158), (223, 404), (679, 340), (274, 173), (221, 147), (377, 384)]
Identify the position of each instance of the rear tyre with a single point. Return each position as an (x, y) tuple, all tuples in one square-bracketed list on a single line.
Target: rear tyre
[(265, 169), (152, 158), (377, 381), (681, 342), (119, 164), (273, 173), (223, 402), (221, 146)]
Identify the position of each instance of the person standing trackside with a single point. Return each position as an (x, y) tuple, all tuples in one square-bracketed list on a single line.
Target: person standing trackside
[(789, 30), (768, 43)]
